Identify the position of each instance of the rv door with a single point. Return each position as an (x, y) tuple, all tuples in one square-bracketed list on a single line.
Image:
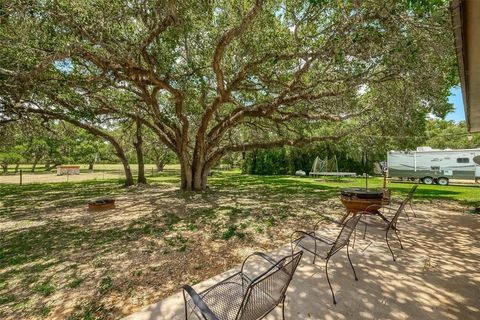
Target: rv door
[(476, 159)]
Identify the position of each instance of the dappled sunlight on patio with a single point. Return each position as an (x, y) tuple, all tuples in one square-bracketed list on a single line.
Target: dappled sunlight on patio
[(434, 277)]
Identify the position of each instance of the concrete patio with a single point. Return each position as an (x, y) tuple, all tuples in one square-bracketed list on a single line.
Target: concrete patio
[(436, 276)]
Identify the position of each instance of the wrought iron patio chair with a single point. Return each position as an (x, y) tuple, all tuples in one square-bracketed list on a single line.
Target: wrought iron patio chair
[(387, 201), (409, 200), (324, 247), (243, 297), (373, 221)]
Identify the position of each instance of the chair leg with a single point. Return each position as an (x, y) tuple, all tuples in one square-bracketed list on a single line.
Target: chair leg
[(329, 284), (351, 264), (185, 303), (388, 244), (315, 254), (283, 308), (401, 245), (365, 231), (354, 236), (411, 208)]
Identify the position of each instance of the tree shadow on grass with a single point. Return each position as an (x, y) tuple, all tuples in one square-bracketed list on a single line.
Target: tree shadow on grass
[(20, 201), (238, 212), (272, 184)]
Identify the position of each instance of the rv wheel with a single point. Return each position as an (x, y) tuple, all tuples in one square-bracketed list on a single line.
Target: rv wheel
[(428, 180), (442, 181)]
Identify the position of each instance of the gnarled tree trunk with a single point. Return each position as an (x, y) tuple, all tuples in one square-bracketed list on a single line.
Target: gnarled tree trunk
[(160, 166), (195, 175), (126, 165), (34, 164), (194, 180), (138, 143)]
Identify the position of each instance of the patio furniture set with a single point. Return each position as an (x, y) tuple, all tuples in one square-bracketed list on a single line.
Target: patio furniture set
[(246, 297)]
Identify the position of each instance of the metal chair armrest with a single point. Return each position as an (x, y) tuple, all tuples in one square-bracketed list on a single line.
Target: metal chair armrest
[(261, 255), (315, 227), (390, 208), (305, 233), (309, 234), (364, 216), (370, 216), (199, 303), (328, 219)]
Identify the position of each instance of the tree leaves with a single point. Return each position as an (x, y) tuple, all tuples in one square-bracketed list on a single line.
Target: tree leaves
[(209, 78)]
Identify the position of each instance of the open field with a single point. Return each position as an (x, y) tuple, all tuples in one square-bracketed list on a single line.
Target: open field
[(60, 261), (100, 172), (100, 167)]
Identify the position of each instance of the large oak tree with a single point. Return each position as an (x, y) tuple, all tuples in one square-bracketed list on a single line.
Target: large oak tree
[(213, 77)]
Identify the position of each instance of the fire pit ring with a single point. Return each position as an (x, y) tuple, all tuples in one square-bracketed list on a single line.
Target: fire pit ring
[(101, 204), (361, 199), (362, 193)]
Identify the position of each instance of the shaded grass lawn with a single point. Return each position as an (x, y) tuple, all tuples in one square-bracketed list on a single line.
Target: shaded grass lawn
[(468, 195), (57, 260)]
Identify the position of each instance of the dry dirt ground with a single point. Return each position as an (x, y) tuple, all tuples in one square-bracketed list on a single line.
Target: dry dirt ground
[(71, 263)]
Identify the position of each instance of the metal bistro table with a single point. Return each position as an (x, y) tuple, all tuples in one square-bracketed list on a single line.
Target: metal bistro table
[(358, 200)]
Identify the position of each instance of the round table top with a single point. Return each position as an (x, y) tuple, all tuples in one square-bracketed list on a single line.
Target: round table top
[(362, 192)]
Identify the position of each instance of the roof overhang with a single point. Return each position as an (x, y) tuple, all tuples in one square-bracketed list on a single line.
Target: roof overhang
[(466, 24)]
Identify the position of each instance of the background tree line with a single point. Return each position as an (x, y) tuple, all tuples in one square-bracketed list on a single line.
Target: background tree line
[(53, 143), (438, 134)]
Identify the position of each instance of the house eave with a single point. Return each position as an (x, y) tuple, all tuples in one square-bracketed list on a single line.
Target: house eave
[(466, 27)]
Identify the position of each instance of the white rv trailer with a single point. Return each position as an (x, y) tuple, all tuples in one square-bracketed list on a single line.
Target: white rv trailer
[(435, 166)]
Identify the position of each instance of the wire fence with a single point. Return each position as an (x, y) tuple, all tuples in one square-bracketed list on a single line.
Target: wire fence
[(101, 172)]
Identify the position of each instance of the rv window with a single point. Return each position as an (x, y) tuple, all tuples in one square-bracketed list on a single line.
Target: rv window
[(435, 168), (462, 160)]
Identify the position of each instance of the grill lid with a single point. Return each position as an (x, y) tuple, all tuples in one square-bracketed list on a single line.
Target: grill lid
[(362, 193)]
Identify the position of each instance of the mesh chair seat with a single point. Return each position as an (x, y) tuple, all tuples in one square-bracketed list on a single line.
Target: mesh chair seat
[(225, 298), (315, 243), (374, 221)]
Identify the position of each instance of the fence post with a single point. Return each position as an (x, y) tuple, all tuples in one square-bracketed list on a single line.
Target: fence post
[(21, 176)]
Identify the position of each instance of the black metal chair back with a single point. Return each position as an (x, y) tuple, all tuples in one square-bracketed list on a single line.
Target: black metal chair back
[(344, 235), (268, 290), (393, 222), (412, 191)]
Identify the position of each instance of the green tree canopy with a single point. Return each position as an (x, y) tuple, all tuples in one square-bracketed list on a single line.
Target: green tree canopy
[(215, 77), (443, 134)]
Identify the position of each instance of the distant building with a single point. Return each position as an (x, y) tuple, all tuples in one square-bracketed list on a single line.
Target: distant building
[(68, 170)]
